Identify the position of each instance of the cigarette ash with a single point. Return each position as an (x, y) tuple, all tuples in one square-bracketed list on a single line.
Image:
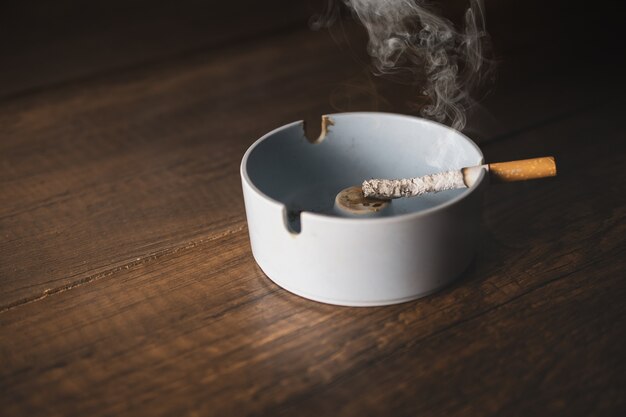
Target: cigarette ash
[(411, 187)]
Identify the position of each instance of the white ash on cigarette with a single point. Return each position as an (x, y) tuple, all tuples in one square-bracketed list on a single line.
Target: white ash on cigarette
[(411, 187)]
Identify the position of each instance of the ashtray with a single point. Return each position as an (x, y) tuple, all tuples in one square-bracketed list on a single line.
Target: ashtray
[(307, 244)]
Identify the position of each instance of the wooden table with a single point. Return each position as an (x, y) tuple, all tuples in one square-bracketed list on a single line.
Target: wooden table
[(127, 285)]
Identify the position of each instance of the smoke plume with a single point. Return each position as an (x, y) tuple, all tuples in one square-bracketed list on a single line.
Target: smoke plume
[(445, 63)]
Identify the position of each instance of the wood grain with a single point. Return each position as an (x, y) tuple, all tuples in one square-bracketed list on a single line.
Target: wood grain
[(201, 330)]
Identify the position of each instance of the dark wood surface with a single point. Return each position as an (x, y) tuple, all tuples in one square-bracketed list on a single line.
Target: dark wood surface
[(127, 285)]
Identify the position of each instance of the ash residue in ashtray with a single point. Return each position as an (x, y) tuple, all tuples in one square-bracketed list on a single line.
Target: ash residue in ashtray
[(353, 201)]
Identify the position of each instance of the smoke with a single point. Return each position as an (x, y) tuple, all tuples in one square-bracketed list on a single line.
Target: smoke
[(445, 64)]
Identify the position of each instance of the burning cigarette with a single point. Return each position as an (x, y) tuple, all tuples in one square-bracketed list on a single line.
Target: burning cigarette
[(465, 177)]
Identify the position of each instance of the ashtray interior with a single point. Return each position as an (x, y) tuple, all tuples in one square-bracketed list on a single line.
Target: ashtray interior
[(307, 176)]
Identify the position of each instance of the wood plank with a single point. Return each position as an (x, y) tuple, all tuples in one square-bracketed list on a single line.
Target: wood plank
[(535, 326)]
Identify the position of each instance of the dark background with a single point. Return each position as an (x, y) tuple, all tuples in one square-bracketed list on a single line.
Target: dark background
[(45, 43)]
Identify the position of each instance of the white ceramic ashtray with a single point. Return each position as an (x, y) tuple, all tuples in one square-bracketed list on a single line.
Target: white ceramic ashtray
[(409, 248)]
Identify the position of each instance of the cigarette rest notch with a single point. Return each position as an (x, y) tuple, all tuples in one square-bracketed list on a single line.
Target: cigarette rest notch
[(316, 136)]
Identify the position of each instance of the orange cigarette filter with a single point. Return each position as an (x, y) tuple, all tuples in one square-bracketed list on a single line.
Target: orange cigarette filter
[(526, 169)]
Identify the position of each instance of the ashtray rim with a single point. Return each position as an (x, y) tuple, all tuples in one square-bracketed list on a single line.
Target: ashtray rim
[(370, 219)]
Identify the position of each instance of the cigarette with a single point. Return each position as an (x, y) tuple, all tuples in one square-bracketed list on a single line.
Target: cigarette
[(521, 170)]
